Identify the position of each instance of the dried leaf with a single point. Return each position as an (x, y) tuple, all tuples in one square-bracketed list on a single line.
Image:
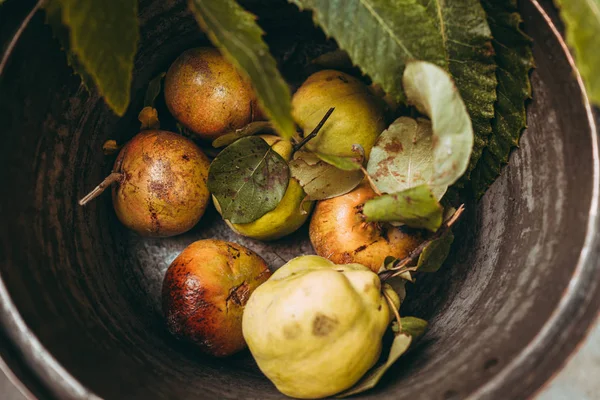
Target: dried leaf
[(235, 32), (321, 180), (248, 179), (251, 129), (433, 92), (110, 147), (415, 207), (149, 118)]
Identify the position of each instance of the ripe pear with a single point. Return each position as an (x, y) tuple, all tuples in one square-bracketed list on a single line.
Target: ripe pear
[(291, 212), (338, 231), (158, 183), (205, 291), (314, 328), (359, 116), (206, 94)]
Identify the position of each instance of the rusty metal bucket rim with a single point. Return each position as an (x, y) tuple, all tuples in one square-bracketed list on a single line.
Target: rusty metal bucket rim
[(55, 378)]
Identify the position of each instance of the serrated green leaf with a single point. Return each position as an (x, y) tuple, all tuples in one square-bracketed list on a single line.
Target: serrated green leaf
[(435, 253), (515, 60), (235, 32), (415, 207), (467, 40), (103, 37), (248, 179), (61, 33), (402, 157), (153, 90), (251, 129), (431, 90), (321, 180), (380, 35), (582, 22)]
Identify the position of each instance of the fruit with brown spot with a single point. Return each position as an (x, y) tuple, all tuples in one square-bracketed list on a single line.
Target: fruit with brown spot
[(206, 94), (339, 232), (158, 184), (205, 291)]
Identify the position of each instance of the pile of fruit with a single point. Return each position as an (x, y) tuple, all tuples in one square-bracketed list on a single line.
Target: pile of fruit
[(371, 190)]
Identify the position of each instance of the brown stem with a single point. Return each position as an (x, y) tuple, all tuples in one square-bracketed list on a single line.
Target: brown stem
[(371, 182), (315, 131), (109, 180), (414, 255)]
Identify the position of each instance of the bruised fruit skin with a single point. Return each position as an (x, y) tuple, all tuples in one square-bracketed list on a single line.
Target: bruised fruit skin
[(291, 212), (339, 233), (162, 191), (314, 328), (207, 95), (205, 291), (359, 116)]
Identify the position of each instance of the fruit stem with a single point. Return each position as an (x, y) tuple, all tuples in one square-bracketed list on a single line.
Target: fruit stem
[(395, 311), (109, 180), (400, 268), (315, 131)]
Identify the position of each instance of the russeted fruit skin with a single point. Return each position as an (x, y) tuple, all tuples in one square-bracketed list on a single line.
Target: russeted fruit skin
[(205, 291), (314, 328), (163, 189), (359, 116), (338, 232), (206, 94), (287, 217)]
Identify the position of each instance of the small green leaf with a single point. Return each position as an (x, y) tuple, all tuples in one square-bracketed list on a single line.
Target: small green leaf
[(415, 207), (515, 61), (413, 326), (153, 90), (251, 129), (103, 38), (321, 180), (582, 20), (435, 253), (402, 157), (235, 32), (343, 163), (397, 31), (433, 92), (249, 179)]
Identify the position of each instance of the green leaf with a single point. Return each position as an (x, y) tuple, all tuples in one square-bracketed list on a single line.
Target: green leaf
[(235, 32), (415, 207), (515, 61), (582, 21), (402, 157), (345, 163), (321, 180), (251, 129), (61, 33), (467, 40), (380, 36), (431, 90), (153, 90), (103, 38), (413, 326), (435, 253), (248, 179)]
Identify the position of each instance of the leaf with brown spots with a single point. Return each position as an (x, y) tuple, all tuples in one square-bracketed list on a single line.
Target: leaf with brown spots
[(249, 179)]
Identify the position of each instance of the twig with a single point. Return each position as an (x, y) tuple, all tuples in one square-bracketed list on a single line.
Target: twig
[(18, 33), (315, 131), (414, 255), (370, 180), (109, 180)]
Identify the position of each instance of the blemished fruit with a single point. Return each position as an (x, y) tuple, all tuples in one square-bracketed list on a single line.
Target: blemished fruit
[(205, 291), (359, 116), (161, 190), (206, 94), (314, 328), (339, 233), (291, 212)]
